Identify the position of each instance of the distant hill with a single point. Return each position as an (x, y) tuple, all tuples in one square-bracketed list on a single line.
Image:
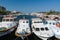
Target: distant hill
[(53, 12), (2, 10)]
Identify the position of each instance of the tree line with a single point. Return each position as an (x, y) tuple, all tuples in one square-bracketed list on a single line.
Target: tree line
[(4, 11)]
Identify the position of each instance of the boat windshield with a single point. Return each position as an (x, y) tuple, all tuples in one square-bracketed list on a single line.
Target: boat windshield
[(52, 23), (38, 22), (3, 20), (46, 28), (25, 22), (11, 19), (7, 20)]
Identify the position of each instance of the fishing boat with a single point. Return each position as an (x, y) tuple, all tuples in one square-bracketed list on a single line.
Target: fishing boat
[(56, 28), (41, 28), (7, 25), (23, 29)]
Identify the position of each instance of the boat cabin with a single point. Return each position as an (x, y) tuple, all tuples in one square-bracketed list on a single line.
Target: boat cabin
[(42, 29), (55, 26), (8, 22), (36, 22), (23, 28), (8, 18)]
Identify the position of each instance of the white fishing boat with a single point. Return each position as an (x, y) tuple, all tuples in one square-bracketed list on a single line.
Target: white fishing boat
[(56, 28), (41, 28), (7, 25), (23, 29)]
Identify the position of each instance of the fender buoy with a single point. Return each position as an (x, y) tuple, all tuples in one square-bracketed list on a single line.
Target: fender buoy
[(58, 25)]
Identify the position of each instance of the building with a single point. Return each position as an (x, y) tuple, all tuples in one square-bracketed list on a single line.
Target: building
[(38, 14)]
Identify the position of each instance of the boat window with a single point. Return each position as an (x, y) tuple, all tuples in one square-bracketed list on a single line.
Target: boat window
[(23, 21), (15, 19), (27, 28), (46, 16), (42, 29), (49, 23), (37, 29), (38, 22), (46, 28), (11, 19), (26, 21), (3, 20), (53, 23), (45, 22), (7, 19)]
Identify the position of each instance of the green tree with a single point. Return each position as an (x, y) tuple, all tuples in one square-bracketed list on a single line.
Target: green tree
[(50, 12), (2, 10)]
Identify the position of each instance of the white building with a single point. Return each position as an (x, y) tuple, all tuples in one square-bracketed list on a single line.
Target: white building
[(15, 13), (39, 14)]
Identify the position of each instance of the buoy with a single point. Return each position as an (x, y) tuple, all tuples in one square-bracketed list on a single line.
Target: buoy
[(58, 25)]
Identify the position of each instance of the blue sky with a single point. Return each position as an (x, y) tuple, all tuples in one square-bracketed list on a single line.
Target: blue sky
[(29, 6)]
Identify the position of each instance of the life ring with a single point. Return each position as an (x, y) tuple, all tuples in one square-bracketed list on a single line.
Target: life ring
[(58, 25)]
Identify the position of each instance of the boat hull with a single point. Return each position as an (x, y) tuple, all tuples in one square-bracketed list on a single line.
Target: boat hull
[(19, 35), (44, 38), (57, 36), (2, 33)]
